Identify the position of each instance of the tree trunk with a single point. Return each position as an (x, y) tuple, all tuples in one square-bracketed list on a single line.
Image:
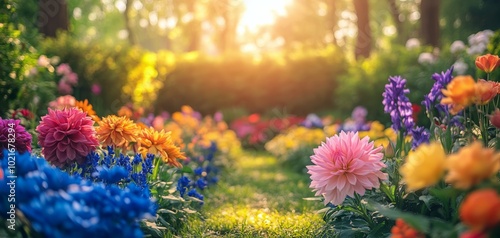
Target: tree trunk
[(332, 19), (194, 27), (364, 38), (429, 20), (395, 17), (52, 17), (128, 24)]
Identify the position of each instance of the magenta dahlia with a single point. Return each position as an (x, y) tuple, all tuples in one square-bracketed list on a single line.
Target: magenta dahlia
[(13, 135), (66, 136), (345, 165)]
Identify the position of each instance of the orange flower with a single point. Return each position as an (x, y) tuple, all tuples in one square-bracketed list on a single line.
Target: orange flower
[(86, 107), (471, 165), (480, 210), (485, 91), (473, 234), (460, 93), (495, 118), (117, 131), (403, 230), (160, 142), (487, 63)]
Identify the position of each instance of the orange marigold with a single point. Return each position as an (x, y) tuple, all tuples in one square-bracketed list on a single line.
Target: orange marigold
[(480, 210), (117, 131), (487, 63), (460, 93), (403, 230), (86, 107), (471, 165), (160, 142)]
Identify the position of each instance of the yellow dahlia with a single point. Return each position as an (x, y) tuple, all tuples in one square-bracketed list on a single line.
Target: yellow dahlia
[(160, 142), (86, 107), (471, 165), (424, 166), (117, 131)]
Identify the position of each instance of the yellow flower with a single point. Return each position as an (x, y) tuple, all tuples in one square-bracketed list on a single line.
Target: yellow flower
[(460, 93), (471, 165), (424, 166), (159, 142), (117, 131)]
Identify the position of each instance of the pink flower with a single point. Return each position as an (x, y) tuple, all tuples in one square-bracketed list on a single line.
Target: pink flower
[(71, 78), (96, 89), (63, 69), (14, 135), (66, 136), (64, 88), (345, 165), (63, 102)]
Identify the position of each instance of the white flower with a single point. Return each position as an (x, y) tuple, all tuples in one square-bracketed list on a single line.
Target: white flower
[(412, 43), (460, 67), (426, 58), (476, 49), (43, 61), (457, 46)]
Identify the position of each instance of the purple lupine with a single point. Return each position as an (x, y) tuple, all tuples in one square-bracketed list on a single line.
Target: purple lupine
[(420, 135), (435, 95), (397, 104)]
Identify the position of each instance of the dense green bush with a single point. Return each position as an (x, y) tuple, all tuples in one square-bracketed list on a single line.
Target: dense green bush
[(296, 82), (96, 63), (18, 87)]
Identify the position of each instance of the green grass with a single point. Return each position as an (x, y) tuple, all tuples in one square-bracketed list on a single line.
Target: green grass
[(258, 198)]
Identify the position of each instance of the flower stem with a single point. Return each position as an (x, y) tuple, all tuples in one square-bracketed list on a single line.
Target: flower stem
[(156, 168)]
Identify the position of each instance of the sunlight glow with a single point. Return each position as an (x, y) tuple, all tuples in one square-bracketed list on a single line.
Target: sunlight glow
[(260, 13)]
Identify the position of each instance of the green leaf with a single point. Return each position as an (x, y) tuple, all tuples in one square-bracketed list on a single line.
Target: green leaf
[(165, 211), (173, 198), (322, 210), (186, 169), (189, 210), (419, 222)]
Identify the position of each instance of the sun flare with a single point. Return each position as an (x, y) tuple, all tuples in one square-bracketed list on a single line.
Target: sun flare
[(261, 12)]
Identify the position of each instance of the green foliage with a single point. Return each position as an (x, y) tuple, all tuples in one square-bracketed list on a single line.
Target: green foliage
[(96, 63), (363, 85), (299, 83), (19, 89)]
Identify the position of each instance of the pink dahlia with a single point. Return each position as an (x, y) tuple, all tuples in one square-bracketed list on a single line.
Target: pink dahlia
[(66, 136), (345, 164), (14, 135)]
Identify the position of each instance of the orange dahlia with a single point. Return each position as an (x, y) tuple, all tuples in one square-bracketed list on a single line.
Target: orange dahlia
[(459, 93), (160, 142), (86, 107), (485, 91), (117, 131), (471, 165)]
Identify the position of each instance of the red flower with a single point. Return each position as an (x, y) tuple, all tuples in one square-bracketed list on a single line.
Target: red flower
[(403, 230), (481, 210), (416, 110)]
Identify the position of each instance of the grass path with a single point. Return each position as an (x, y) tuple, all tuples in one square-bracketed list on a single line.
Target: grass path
[(259, 198)]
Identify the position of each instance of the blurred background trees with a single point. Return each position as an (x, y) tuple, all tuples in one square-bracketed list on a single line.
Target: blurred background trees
[(243, 53)]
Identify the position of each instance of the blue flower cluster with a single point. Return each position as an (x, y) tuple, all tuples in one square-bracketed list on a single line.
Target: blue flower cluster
[(61, 205), (117, 169), (397, 104), (203, 175)]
